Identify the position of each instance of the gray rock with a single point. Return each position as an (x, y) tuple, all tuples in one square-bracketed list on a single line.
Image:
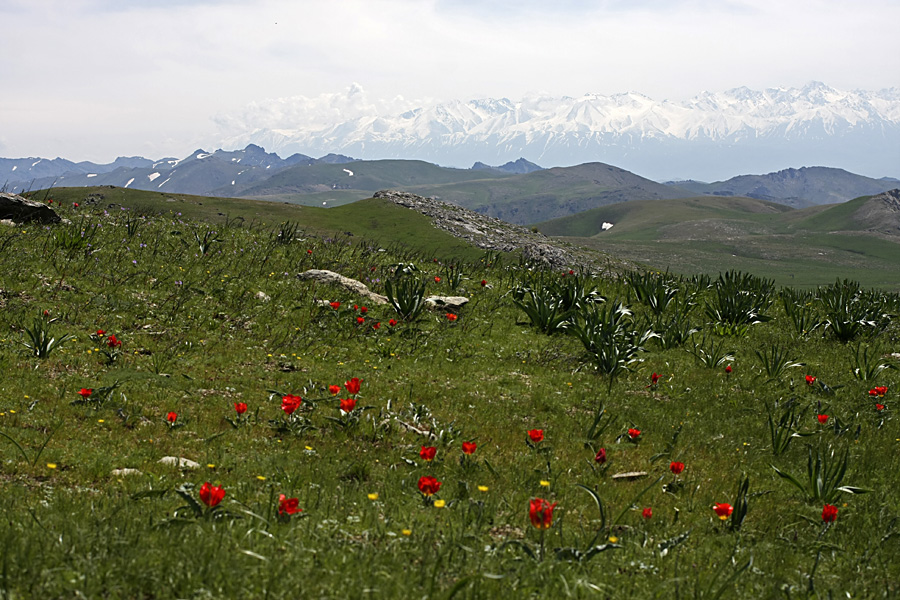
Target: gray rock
[(21, 210), (125, 471), (453, 302), (177, 461), (352, 285)]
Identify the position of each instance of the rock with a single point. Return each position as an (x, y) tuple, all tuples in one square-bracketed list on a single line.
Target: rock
[(21, 210), (630, 475), (125, 471), (8, 223), (177, 461), (451, 302), (262, 296), (352, 285)]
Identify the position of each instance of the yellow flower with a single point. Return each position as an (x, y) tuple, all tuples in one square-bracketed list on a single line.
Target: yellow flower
[(100, 421), (545, 483), (260, 477), (613, 539), (440, 503), (373, 496), (308, 447), (482, 488), (406, 532), (51, 465), (211, 466)]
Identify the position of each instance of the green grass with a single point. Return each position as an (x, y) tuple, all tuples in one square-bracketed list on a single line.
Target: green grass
[(197, 336)]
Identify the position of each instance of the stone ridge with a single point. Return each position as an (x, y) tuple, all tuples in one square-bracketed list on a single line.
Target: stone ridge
[(483, 231)]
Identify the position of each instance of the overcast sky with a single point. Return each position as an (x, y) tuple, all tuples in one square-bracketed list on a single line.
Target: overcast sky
[(96, 79)]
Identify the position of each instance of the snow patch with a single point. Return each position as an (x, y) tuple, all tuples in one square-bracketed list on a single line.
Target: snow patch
[(163, 183), (348, 172), (152, 176), (606, 226), (16, 167), (232, 182), (130, 181), (39, 160), (91, 175), (201, 156)]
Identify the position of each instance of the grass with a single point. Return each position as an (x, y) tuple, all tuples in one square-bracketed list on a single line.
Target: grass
[(203, 331)]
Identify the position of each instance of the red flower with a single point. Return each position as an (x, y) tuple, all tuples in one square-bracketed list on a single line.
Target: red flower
[(356, 307), (451, 317), (429, 486), (112, 342), (571, 272), (676, 467), (654, 379), (85, 392), (600, 457), (483, 282), (879, 406), (427, 453), (309, 251), (352, 385), (723, 509), (360, 320), (334, 305), (634, 433), (334, 389), (541, 513), (392, 322), (822, 419), (288, 506), (376, 326), (240, 407), (437, 279), (74, 205), (172, 417), (348, 404), (211, 495), (100, 333), (647, 513), (728, 369), (290, 403), (469, 447), (536, 435), (810, 380), (879, 391), (363, 310), (829, 513)]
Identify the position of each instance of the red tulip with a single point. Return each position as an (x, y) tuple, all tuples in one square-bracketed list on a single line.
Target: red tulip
[(363, 310), (723, 509), (647, 513), (112, 342), (240, 407), (429, 486), (728, 369), (878, 391), (600, 457), (829, 513), (469, 447), (360, 320), (376, 326), (536, 435), (334, 389), (290, 403), (334, 305), (879, 407), (100, 333), (85, 392), (352, 385), (634, 433), (676, 467), (541, 513), (348, 404), (822, 419), (437, 279), (172, 417), (392, 322), (483, 282), (427, 453), (288, 506), (654, 379), (810, 380), (451, 317), (211, 495)]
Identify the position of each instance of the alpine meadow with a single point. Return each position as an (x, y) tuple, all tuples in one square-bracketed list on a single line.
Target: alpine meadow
[(186, 412)]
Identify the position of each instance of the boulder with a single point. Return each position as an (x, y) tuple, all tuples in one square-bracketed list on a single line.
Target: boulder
[(22, 210), (351, 285), (177, 461), (446, 302)]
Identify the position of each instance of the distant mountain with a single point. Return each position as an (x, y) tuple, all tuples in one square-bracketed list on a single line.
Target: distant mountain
[(807, 186), (518, 167), (710, 136)]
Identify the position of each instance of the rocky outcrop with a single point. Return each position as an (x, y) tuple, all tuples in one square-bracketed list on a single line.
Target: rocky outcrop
[(352, 285), (483, 231), (22, 210)]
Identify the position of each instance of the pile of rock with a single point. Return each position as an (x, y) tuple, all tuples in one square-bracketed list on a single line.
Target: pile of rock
[(15, 209)]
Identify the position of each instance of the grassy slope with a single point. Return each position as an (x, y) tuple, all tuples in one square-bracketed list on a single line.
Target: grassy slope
[(197, 338), (807, 247)]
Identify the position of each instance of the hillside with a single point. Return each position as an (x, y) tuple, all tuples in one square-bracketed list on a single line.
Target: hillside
[(799, 188), (858, 240)]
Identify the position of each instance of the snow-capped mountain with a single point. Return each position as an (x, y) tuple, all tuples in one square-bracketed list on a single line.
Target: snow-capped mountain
[(711, 136)]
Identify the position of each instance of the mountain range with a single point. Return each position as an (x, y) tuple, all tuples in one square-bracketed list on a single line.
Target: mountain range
[(710, 136)]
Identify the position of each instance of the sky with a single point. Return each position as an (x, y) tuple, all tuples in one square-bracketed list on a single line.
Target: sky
[(97, 79)]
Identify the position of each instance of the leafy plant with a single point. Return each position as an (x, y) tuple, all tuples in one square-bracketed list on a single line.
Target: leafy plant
[(39, 338), (783, 430), (738, 301), (544, 309), (866, 366), (824, 475), (407, 295), (775, 361), (710, 353), (740, 505)]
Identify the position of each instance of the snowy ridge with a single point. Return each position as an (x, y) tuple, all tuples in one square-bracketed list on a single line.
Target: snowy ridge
[(571, 130)]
